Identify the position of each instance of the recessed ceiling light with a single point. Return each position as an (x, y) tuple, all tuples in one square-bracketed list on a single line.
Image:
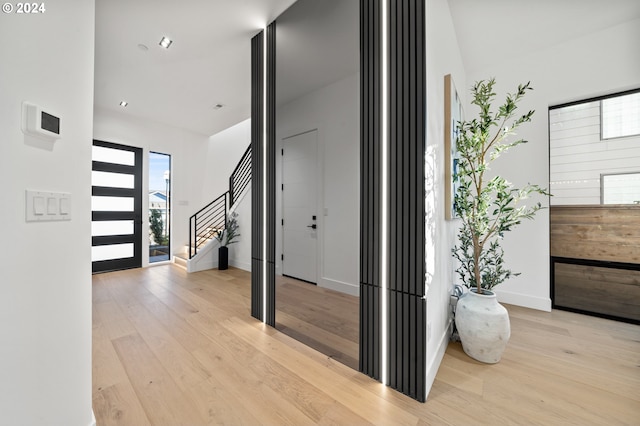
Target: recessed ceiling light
[(217, 106), (124, 104), (165, 42), (143, 47)]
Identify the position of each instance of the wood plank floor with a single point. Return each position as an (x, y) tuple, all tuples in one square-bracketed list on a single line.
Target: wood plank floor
[(171, 348), (323, 319)]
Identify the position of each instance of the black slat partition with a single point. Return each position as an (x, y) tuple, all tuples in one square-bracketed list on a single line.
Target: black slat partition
[(271, 175), (406, 305), (406, 357), (257, 137), (407, 99), (261, 261), (370, 87)]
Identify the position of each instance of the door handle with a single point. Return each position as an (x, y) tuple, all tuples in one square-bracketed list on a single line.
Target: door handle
[(312, 226)]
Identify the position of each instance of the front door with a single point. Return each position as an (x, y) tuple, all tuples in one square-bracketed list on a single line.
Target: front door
[(116, 207), (299, 200)]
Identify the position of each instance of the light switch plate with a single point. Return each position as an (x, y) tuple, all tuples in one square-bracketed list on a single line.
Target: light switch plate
[(41, 206)]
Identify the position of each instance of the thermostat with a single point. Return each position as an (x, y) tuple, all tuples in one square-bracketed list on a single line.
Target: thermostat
[(37, 122)]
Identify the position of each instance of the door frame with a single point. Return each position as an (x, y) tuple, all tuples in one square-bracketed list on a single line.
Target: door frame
[(282, 135), (319, 203)]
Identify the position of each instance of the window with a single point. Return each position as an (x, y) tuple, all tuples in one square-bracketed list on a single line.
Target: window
[(159, 207), (622, 188), (594, 150), (621, 116)]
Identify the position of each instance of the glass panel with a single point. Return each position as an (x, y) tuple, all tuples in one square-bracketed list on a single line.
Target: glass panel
[(112, 180), (578, 155), (116, 156), (621, 116), (114, 251), (111, 227), (621, 188), (112, 204), (159, 206)]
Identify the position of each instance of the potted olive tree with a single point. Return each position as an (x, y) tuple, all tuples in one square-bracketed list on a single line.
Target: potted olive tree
[(488, 206), (225, 237)]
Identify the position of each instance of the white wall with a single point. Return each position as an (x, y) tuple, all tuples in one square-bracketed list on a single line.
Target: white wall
[(334, 110), (603, 62), (225, 149), (188, 155), (443, 57), (45, 276)]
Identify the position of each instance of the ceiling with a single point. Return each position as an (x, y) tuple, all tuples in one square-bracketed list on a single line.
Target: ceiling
[(209, 60), (495, 31), (317, 43), (207, 64)]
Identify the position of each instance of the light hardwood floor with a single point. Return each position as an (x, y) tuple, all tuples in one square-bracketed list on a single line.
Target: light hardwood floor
[(172, 348), (323, 319)]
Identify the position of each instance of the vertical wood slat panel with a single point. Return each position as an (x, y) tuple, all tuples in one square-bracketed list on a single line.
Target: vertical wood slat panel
[(370, 327), (407, 308), (408, 312), (395, 154), (258, 200), (364, 148), (257, 102), (415, 177), (271, 175), (256, 289), (400, 93), (370, 86), (375, 86)]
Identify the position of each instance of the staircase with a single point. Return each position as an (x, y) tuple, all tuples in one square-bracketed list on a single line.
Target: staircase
[(205, 224)]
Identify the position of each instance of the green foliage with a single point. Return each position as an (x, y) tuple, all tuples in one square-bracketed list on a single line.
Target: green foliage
[(488, 207), (230, 233), (156, 225)]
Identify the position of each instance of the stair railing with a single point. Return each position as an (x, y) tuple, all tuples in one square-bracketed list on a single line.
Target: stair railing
[(204, 225), (240, 177), (212, 218)]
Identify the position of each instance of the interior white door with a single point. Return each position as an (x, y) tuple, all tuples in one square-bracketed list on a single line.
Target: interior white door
[(299, 206)]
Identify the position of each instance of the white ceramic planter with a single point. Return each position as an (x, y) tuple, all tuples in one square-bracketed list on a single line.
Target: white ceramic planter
[(483, 326)]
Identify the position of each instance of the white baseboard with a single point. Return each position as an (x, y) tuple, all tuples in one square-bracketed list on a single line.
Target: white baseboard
[(202, 265), (245, 266), (518, 299), (353, 290), (432, 368)]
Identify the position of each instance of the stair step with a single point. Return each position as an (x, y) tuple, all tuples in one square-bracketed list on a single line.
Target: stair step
[(183, 256), (180, 261)]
